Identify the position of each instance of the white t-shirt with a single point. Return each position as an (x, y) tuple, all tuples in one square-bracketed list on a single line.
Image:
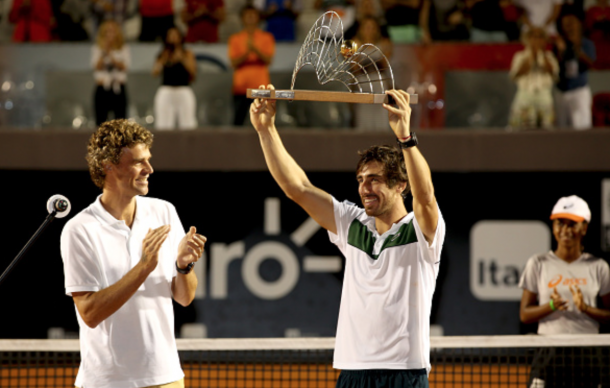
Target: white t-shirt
[(536, 80), (135, 346), (546, 271), (384, 319), (539, 11), (111, 77)]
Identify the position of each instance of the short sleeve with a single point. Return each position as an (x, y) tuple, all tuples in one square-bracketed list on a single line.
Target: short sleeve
[(516, 64), (431, 251), (530, 276), (233, 46), (269, 46), (126, 56), (345, 213), (96, 53), (177, 233), (553, 60), (589, 49), (604, 278), (81, 269)]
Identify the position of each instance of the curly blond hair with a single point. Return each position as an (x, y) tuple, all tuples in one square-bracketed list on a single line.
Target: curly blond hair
[(107, 143)]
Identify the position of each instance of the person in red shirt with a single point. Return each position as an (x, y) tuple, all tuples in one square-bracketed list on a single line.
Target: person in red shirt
[(597, 21), (157, 19), (33, 19), (203, 18), (250, 52)]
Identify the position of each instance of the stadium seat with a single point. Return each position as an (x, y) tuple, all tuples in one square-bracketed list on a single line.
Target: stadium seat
[(601, 110)]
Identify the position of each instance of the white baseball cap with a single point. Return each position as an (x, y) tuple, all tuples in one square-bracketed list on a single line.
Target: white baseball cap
[(573, 208)]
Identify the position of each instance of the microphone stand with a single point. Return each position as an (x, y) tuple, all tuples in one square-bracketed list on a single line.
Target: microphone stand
[(27, 246)]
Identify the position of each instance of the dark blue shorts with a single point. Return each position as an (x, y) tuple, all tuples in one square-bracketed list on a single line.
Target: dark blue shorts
[(383, 378)]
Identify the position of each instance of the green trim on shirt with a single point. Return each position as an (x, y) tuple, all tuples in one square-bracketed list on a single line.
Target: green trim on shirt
[(360, 237)]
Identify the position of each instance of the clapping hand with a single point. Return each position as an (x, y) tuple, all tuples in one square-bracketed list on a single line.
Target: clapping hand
[(578, 299), (558, 301), (151, 246), (190, 248)]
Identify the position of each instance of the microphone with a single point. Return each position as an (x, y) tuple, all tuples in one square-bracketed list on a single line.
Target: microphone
[(60, 205)]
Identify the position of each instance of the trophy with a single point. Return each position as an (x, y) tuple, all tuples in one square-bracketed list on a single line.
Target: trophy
[(364, 71)]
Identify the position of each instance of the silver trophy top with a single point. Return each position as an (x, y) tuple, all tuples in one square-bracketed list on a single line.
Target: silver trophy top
[(363, 69)]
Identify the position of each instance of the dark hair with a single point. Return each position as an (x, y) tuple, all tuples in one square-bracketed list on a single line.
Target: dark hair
[(248, 7), (167, 46), (107, 143), (393, 163)]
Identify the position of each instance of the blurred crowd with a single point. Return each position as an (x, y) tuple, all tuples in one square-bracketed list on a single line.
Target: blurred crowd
[(559, 38), (396, 21)]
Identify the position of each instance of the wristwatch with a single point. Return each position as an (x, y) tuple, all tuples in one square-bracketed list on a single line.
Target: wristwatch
[(411, 142), (187, 270)]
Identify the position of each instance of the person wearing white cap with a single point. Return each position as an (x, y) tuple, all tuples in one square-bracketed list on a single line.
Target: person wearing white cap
[(560, 288)]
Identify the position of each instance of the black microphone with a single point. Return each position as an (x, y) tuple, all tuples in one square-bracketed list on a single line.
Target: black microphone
[(58, 206)]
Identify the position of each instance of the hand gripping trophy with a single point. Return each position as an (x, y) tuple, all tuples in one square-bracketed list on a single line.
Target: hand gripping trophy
[(364, 70)]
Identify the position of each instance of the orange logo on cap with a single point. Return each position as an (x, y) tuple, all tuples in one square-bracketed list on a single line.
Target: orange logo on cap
[(555, 281)]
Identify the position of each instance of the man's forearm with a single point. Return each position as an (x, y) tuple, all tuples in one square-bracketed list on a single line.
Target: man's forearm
[(95, 307), (287, 173), (420, 177), (184, 288)]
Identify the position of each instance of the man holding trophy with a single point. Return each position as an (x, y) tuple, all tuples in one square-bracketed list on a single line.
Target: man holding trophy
[(392, 255)]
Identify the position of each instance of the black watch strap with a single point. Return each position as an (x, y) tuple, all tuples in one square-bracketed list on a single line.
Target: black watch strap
[(185, 271), (411, 142)]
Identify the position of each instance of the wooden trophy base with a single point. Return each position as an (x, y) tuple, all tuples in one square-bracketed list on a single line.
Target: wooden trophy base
[(325, 96)]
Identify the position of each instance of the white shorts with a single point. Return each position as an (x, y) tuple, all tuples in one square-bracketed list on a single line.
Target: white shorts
[(175, 104)]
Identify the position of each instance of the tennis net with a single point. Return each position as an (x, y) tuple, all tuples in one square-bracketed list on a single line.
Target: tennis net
[(457, 362)]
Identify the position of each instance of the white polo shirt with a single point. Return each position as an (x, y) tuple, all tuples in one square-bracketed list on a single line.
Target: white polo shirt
[(384, 318), (545, 272), (135, 346)]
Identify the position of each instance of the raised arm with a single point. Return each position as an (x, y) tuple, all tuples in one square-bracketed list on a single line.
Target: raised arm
[(420, 178), (285, 170), (95, 307)]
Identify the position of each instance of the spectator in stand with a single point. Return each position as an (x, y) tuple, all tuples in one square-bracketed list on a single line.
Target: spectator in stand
[(70, 16), (540, 13), (598, 21), (370, 32), (488, 23), (512, 16), (33, 20), (202, 18), (576, 54), (281, 16), (535, 70), (102, 10), (403, 20), (157, 19), (110, 60), (366, 117), (367, 8), (444, 20), (344, 8), (251, 52), (175, 99)]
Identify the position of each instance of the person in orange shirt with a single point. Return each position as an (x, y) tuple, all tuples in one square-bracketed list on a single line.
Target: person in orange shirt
[(251, 52)]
